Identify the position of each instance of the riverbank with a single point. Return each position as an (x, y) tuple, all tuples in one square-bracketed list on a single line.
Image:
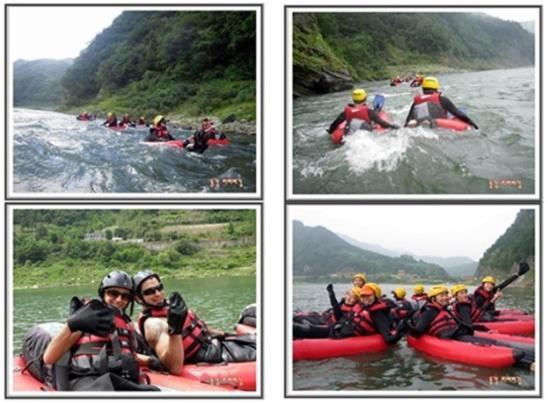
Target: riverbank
[(68, 275)]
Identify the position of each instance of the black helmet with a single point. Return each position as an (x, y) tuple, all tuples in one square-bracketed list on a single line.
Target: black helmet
[(118, 279), (142, 276)]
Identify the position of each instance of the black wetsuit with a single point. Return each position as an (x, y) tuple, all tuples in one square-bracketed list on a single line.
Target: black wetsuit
[(448, 106), (373, 115)]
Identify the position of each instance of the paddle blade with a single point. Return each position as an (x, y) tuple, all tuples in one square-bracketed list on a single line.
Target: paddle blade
[(378, 102), (523, 268)]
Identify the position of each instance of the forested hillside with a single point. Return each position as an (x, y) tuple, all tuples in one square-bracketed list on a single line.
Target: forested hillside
[(516, 244), (317, 251), (332, 49), (159, 62), (77, 246), (37, 83)]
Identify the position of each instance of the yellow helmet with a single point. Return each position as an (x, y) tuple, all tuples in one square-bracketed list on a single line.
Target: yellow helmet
[(419, 289), (360, 276), (157, 119), (357, 292), (436, 290), (110, 115), (376, 288), (359, 95), (399, 293), (457, 288), (489, 279), (430, 83)]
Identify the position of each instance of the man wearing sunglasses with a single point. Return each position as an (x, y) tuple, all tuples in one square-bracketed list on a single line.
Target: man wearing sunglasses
[(101, 340), (176, 335)]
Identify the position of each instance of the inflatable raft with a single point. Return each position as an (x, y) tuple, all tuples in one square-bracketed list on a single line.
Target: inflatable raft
[(322, 348), (513, 327), (451, 123), (199, 377), (118, 128), (178, 144), (337, 136), (464, 352)]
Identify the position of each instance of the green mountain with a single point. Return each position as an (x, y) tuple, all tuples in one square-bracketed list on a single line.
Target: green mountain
[(184, 62), (516, 244), (330, 50), (318, 251), (53, 247), (36, 83)]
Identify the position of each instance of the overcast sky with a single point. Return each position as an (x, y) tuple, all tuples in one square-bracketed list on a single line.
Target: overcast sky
[(55, 32), (513, 14), (423, 230)]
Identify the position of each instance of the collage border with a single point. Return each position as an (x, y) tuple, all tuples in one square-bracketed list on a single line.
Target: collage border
[(258, 195), (255, 199), (259, 240), (289, 201)]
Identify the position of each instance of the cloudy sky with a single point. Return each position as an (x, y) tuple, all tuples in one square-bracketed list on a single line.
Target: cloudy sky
[(55, 32), (424, 230)]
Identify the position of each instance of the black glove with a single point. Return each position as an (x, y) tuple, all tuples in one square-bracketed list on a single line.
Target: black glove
[(523, 266), (474, 125), (154, 363), (329, 288), (177, 313), (93, 318), (394, 127), (75, 305)]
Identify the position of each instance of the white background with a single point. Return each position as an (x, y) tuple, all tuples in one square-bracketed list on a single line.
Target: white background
[(273, 12)]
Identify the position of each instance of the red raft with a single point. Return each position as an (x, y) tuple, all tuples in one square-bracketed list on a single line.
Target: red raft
[(337, 136), (198, 378), (322, 348), (179, 143), (118, 128), (453, 123), (463, 352), (515, 327)]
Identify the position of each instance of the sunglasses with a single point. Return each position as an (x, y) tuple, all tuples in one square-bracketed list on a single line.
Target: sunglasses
[(115, 294), (151, 291)]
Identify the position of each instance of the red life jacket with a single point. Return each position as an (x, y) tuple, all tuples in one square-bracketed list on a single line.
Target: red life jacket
[(443, 321), (160, 131), (90, 354), (420, 298), (432, 108), (195, 332), (487, 296), (475, 313), (401, 310), (362, 321), (360, 112)]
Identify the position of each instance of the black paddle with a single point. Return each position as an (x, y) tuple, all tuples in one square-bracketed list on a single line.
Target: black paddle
[(523, 269)]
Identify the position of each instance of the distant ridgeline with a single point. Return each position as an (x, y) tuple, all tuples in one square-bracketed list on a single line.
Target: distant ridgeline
[(319, 252), (37, 83), (175, 61), (331, 50), (518, 242)]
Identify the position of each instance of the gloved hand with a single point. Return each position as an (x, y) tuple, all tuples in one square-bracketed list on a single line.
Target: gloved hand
[(75, 305), (154, 363), (93, 318), (329, 288), (177, 313)]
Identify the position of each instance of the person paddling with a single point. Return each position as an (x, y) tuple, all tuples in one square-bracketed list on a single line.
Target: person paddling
[(359, 116), (432, 105)]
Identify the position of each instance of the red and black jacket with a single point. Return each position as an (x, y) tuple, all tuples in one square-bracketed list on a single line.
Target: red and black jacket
[(442, 323), (195, 333)]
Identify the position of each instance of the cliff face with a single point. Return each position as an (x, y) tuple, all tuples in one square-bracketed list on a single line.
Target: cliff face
[(330, 50), (316, 69), (517, 243)]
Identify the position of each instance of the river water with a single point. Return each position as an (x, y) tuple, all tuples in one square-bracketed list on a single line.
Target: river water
[(423, 160), (53, 152), (401, 368), (217, 301)]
